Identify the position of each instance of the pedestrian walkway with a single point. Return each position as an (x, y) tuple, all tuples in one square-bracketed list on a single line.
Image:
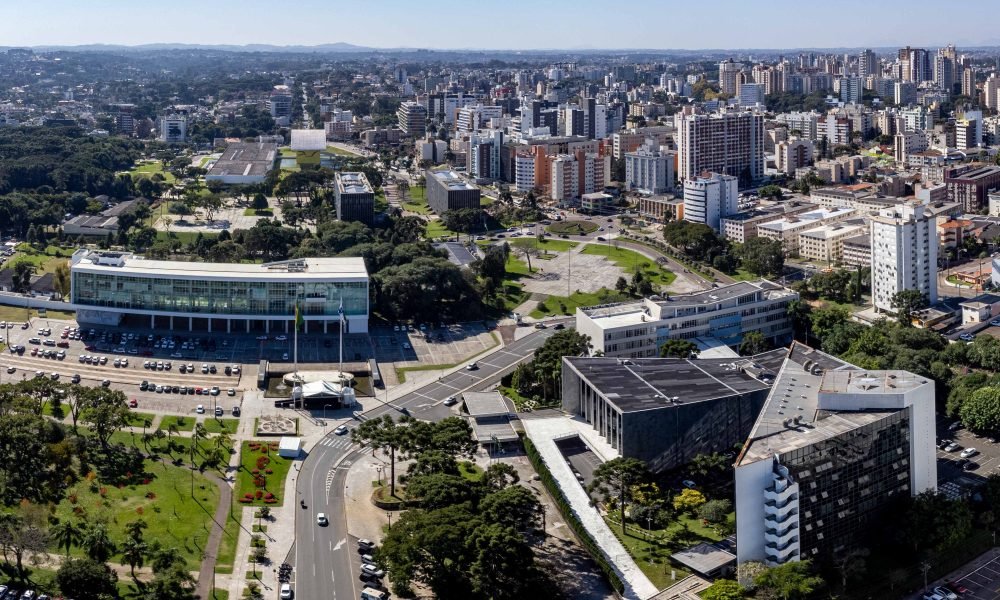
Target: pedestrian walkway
[(543, 434), (206, 573)]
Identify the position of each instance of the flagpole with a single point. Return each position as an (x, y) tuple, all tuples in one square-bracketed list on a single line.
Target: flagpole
[(295, 341), (341, 351)]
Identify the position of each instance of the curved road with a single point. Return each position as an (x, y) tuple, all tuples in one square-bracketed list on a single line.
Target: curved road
[(326, 559)]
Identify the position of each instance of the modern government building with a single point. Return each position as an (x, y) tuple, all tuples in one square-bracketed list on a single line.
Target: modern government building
[(108, 287)]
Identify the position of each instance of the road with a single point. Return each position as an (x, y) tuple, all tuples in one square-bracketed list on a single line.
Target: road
[(326, 559)]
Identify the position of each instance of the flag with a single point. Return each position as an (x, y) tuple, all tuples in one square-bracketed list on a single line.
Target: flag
[(298, 317), (340, 311)]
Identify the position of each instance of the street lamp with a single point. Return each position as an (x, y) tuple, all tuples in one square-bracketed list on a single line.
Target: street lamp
[(379, 469), (389, 515), (325, 406)]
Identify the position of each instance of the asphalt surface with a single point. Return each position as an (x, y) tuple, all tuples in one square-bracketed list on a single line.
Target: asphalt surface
[(326, 560)]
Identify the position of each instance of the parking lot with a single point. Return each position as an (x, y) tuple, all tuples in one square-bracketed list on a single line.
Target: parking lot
[(957, 475), (981, 578), (437, 345)]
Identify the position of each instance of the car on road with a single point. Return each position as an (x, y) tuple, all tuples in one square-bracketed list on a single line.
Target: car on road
[(11, 370), (540, 326), (106, 383), (321, 520), (372, 570), (995, 322), (219, 411), (952, 447), (340, 430), (472, 366), (967, 337), (286, 592), (133, 403), (451, 401), (969, 453), (559, 326), (945, 593), (368, 545), (200, 409)]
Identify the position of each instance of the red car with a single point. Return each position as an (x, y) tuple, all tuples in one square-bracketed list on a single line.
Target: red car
[(89, 348), (133, 403), (957, 588), (63, 344)]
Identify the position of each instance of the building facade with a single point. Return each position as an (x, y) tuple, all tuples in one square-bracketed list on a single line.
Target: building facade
[(730, 143), (446, 190), (412, 118), (904, 254), (355, 198), (109, 286), (826, 243), (710, 198), (649, 169), (812, 480), (727, 313)]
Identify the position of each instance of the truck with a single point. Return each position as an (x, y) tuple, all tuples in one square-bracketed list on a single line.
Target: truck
[(373, 594)]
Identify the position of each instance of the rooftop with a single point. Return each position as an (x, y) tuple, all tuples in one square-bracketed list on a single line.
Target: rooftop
[(817, 396), (485, 404), (636, 385), (451, 180), (245, 159), (353, 183), (352, 268), (308, 139)]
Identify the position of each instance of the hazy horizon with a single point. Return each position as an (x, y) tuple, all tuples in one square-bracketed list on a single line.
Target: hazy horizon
[(515, 25)]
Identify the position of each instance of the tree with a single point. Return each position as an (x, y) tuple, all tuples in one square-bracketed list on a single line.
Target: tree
[(906, 302), (21, 278), (688, 500), (62, 279), (499, 476), (547, 361), (134, 553), (678, 348), (515, 507), (715, 511), (23, 535), (753, 342), (97, 543), (66, 534), (850, 563), (790, 581), (503, 564), (87, 579), (614, 480), (439, 490), (703, 465), (762, 256), (106, 412), (932, 522), (981, 411), (259, 202), (387, 435), (621, 285), (724, 589)]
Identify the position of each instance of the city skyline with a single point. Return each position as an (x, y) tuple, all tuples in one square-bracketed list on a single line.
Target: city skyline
[(449, 24)]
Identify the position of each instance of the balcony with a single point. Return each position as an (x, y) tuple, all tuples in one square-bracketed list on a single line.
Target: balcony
[(781, 537), (774, 516), (782, 553)]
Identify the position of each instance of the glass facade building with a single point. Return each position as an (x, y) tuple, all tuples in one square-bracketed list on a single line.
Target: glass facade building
[(118, 283)]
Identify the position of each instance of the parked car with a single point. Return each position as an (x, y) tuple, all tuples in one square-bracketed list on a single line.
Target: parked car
[(286, 592), (951, 447), (945, 593), (969, 453), (200, 409), (966, 337), (451, 401), (372, 570)]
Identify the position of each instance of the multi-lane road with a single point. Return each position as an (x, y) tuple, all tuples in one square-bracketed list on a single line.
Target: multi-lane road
[(326, 560)]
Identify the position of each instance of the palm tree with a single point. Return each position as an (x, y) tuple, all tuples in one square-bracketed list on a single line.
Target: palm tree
[(66, 535), (135, 528), (97, 543), (134, 554)]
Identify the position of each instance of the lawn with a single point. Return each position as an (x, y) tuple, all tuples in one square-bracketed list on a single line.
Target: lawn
[(436, 229), (545, 245), (226, 556), (418, 207), (214, 425), (470, 471), (262, 212), (273, 483), (44, 262), (150, 169), (516, 266), (164, 500), (513, 295), (182, 423), (572, 227), (19, 314), (340, 151), (417, 193), (135, 419), (561, 305), (630, 261), (185, 237)]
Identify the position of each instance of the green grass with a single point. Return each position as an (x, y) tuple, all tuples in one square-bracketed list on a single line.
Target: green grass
[(254, 212), (470, 472), (204, 161), (185, 237), (516, 266), (630, 260), (214, 425), (219, 594), (183, 423), (418, 207), (553, 304), (150, 169), (545, 245), (165, 503), (135, 419), (572, 227), (226, 555), (513, 295), (275, 482), (417, 193), (42, 261), (436, 229), (340, 151)]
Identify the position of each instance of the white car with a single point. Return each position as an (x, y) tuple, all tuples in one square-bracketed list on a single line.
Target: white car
[(951, 447), (945, 593), (967, 337), (321, 520), (372, 570), (281, 338), (200, 409), (341, 430), (471, 366), (969, 452), (451, 401), (286, 592)]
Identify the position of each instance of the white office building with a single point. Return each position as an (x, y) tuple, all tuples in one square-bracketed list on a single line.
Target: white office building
[(524, 173), (834, 447), (726, 313), (751, 94), (710, 198), (173, 129), (904, 253), (472, 118), (650, 169)]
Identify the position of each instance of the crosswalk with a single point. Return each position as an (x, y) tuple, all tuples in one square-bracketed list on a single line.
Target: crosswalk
[(337, 442)]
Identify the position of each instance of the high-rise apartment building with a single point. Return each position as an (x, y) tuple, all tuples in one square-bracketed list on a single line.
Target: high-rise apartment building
[(471, 118), (820, 469), (904, 254), (709, 198), (573, 175), (946, 68), (731, 143), (173, 129), (484, 154), (793, 154), (649, 169), (279, 103), (868, 64), (412, 119), (915, 65), (728, 72), (851, 90)]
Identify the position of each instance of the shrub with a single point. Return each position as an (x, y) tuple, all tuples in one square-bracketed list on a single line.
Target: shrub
[(259, 495)]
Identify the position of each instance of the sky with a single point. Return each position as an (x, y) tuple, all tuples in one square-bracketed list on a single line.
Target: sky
[(504, 24)]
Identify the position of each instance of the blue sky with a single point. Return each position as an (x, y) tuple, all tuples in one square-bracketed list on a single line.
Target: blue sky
[(515, 24)]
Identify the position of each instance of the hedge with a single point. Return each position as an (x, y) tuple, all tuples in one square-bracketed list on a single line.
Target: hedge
[(570, 516)]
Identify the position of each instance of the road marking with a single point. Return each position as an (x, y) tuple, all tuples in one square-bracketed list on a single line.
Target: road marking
[(340, 544)]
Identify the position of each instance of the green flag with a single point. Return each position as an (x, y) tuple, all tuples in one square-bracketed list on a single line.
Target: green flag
[(298, 317)]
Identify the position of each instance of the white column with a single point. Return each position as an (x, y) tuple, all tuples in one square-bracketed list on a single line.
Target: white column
[(325, 323), (286, 326)]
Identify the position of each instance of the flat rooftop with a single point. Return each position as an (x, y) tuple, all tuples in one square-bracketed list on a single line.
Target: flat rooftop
[(485, 404), (800, 408), (636, 385), (451, 180), (351, 269), (245, 159), (353, 183)]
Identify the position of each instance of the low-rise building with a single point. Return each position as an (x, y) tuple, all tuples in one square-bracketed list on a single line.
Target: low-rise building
[(638, 329), (244, 163), (742, 226), (826, 243), (355, 198), (661, 208), (856, 251), (787, 230)]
